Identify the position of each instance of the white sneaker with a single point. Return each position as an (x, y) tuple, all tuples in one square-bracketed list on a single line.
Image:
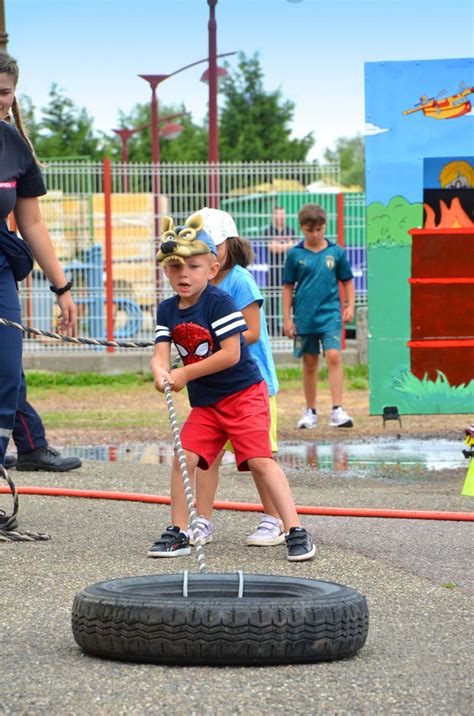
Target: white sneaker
[(308, 420), (205, 529), (340, 419), (268, 533)]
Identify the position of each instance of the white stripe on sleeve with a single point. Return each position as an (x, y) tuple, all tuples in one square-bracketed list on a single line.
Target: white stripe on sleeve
[(225, 319), (162, 332), (230, 327)]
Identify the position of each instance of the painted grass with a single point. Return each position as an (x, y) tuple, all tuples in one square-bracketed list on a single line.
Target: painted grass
[(432, 393)]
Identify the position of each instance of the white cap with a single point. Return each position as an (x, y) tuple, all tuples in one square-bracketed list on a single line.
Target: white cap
[(218, 224)]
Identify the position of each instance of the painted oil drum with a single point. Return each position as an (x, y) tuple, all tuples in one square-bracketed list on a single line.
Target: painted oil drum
[(442, 304)]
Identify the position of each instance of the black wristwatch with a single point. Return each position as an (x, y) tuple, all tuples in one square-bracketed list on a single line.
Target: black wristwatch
[(60, 291)]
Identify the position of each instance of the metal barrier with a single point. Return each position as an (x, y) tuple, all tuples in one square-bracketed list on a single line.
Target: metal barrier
[(106, 237)]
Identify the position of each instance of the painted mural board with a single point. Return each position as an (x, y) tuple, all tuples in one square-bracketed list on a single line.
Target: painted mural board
[(420, 235)]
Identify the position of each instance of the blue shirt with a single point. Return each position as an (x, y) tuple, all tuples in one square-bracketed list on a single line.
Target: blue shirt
[(316, 302), (241, 286), (197, 332)]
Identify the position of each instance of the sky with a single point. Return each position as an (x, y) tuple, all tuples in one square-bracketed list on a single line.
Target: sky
[(312, 50)]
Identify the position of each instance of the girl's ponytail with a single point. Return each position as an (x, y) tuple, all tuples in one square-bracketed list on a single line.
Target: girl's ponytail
[(239, 252)]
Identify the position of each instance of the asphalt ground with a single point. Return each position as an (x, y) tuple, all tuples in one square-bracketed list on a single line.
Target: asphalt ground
[(416, 575)]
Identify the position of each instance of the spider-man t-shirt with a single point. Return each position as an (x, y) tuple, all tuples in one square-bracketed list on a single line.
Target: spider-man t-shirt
[(196, 332)]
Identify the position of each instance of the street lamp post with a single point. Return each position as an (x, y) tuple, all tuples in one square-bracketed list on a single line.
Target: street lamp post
[(214, 71), (170, 131), (213, 146), (3, 28), (154, 81), (125, 135)]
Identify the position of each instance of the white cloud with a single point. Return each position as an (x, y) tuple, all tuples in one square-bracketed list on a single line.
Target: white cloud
[(371, 129)]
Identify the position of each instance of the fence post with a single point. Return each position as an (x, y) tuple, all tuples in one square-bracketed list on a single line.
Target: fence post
[(109, 291), (213, 196), (341, 241)]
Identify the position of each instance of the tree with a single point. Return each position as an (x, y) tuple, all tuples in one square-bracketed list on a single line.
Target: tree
[(28, 113), (349, 152), (66, 130), (190, 146), (255, 125)]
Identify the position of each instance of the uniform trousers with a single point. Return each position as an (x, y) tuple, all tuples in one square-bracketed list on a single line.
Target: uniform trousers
[(28, 431), (10, 355)]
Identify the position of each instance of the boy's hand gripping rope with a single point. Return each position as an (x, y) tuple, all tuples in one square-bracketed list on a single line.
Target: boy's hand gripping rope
[(187, 485)]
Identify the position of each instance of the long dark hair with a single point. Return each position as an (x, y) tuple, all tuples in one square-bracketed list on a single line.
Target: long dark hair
[(239, 252), (9, 66)]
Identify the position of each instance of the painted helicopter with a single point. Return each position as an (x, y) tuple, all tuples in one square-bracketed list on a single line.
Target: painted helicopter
[(447, 108)]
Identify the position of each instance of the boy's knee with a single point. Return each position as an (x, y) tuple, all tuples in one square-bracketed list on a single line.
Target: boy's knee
[(258, 466), (310, 361), (191, 460), (333, 358)]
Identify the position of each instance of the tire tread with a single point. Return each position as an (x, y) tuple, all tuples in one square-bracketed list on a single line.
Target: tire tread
[(228, 631)]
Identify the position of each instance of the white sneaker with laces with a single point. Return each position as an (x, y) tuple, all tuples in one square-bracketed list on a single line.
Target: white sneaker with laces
[(340, 419), (268, 533), (308, 419), (205, 529)]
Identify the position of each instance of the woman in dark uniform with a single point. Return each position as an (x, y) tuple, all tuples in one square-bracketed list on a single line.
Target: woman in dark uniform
[(21, 183)]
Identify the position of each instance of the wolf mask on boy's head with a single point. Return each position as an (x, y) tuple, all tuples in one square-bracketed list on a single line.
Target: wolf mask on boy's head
[(178, 244)]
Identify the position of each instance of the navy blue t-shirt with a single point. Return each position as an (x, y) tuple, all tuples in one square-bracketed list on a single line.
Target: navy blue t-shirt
[(20, 175), (196, 332)]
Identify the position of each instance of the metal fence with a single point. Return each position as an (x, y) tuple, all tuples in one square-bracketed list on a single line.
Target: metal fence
[(104, 220)]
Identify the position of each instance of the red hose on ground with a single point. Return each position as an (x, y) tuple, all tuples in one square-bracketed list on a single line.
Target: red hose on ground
[(246, 506)]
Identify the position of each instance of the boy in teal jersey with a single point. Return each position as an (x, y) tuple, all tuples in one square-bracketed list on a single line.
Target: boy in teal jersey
[(311, 278)]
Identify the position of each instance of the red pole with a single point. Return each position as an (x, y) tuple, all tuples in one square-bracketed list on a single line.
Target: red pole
[(108, 253), (124, 166), (243, 506), (154, 81), (124, 157), (124, 135), (341, 241), (155, 158), (213, 150)]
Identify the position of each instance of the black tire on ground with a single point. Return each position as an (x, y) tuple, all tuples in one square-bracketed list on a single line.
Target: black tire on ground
[(277, 620)]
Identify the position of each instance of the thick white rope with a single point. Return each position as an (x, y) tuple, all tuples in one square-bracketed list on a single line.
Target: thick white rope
[(197, 534), (13, 535)]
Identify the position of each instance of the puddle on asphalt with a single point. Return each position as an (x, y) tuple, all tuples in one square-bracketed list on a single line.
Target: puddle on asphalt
[(340, 457)]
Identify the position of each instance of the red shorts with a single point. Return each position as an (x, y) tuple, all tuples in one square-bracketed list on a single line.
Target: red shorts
[(243, 418)]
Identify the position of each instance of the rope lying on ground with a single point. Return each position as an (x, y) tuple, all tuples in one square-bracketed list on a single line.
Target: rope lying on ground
[(71, 339), (13, 535)]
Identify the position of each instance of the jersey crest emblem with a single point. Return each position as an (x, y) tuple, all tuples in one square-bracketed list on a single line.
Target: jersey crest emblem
[(330, 262)]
